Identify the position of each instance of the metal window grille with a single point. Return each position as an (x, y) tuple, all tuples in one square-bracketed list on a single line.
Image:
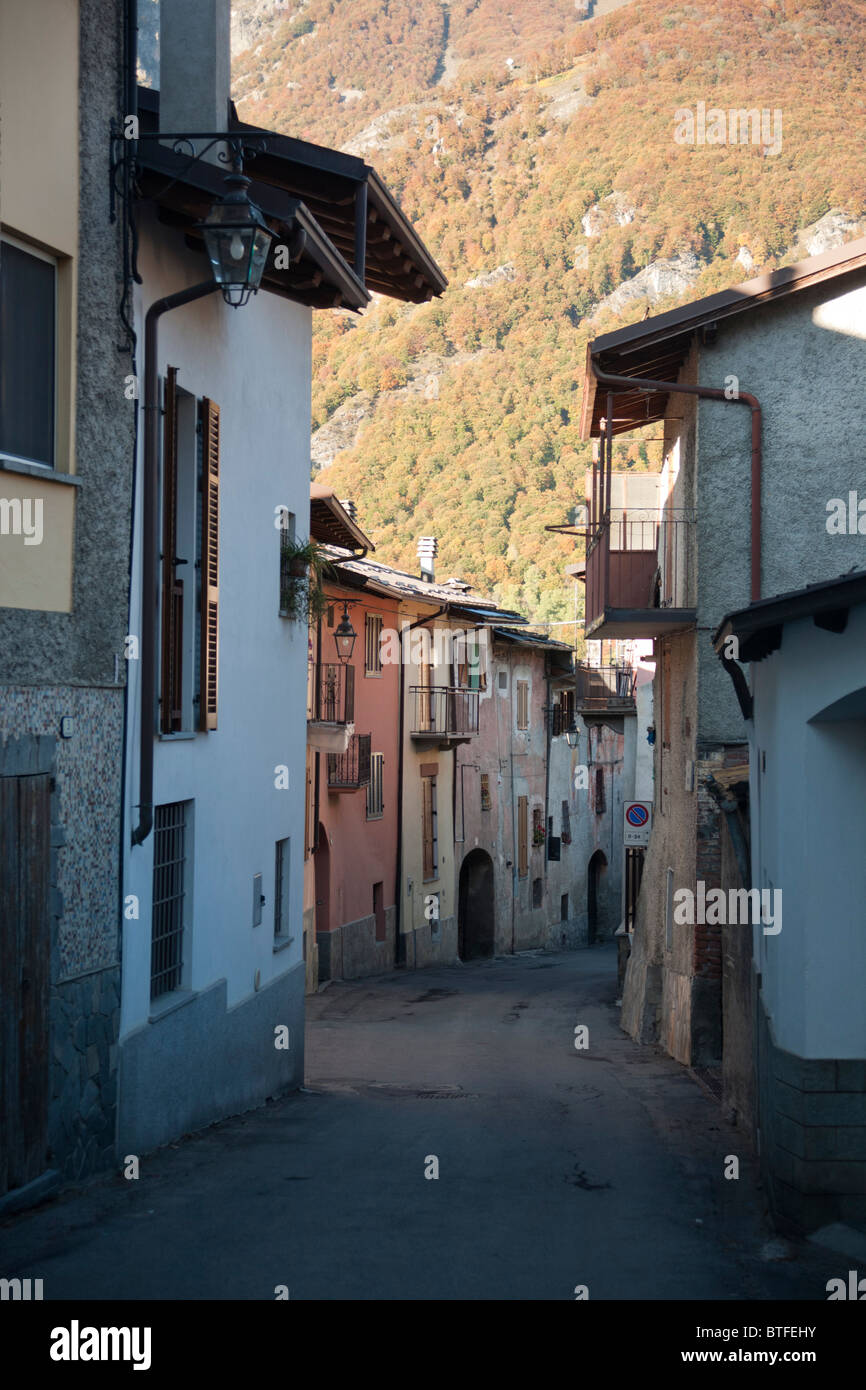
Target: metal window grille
[(169, 892), (522, 836), (352, 768), (566, 823), (372, 635), (485, 791), (376, 790), (599, 791)]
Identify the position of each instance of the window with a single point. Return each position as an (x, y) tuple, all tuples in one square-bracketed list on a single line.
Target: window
[(429, 827), (537, 892), (566, 823), (330, 618), (28, 333), (566, 702), (372, 638), (190, 562), (522, 836), (503, 680), (379, 909), (485, 791), (563, 908), (169, 908), (375, 790), (281, 890), (600, 805), (523, 704), (537, 826), (288, 563)]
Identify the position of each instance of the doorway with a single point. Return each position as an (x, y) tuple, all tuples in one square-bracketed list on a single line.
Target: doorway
[(595, 882), (25, 955), (476, 913), (322, 858)]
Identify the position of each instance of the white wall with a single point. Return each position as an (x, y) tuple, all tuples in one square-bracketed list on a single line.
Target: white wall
[(255, 363), (809, 839)]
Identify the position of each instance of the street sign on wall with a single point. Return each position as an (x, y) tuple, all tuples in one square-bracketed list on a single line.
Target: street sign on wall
[(637, 822)]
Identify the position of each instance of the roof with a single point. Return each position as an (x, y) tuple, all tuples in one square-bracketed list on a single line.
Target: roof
[(330, 523), (454, 598), (330, 186), (758, 627), (657, 347)]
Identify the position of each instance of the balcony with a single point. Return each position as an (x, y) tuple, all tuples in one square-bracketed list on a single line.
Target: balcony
[(331, 694), (443, 714), (604, 690), (638, 574), (350, 771)]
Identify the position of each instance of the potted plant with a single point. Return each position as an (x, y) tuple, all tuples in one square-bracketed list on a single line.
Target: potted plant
[(304, 565)]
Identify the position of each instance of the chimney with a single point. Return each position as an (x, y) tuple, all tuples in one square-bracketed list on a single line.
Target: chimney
[(427, 548), (349, 508), (194, 66)]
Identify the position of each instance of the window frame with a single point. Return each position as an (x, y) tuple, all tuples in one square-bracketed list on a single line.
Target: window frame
[(55, 262), (373, 649)]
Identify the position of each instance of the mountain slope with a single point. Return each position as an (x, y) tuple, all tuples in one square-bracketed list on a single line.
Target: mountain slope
[(535, 150)]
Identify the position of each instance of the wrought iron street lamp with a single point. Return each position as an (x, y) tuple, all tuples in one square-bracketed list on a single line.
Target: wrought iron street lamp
[(344, 637), (237, 240), (572, 736)]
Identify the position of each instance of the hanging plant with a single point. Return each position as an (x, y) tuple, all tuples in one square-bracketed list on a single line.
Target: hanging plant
[(304, 567)]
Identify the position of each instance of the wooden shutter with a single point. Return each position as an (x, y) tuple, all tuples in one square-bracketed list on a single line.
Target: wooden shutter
[(171, 590), (427, 825), (522, 836), (349, 711), (210, 568)]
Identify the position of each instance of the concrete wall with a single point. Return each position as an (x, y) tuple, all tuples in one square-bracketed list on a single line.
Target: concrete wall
[(60, 73), (231, 775)]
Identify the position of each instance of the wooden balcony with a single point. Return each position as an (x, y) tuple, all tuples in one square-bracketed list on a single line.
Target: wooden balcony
[(638, 574)]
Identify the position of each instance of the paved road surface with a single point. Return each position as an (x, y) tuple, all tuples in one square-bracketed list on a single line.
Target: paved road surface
[(557, 1167)]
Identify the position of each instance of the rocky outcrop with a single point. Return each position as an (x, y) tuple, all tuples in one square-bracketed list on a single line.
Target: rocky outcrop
[(831, 230), (502, 273), (614, 210), (656, 281)]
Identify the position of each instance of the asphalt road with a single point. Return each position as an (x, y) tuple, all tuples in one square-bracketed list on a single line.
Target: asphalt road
[(557, 1167)]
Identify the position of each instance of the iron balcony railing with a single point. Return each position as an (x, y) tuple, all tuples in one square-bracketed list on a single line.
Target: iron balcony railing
[(350, 770), (443, 711), (639, 561), (331, 694), (604, 687)]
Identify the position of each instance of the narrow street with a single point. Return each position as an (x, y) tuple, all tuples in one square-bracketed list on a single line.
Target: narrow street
[(557, 1167)]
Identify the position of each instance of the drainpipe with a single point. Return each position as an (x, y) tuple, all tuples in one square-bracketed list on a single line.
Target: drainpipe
[(397, 934), (710, 393), (149, 574)]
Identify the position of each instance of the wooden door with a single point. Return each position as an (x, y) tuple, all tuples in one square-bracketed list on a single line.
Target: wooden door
[(24, 978)]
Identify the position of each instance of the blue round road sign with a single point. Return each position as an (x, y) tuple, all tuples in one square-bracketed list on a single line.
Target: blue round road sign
[(637, 816)]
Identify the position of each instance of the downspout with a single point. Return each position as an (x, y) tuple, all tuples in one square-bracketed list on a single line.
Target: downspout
[(149, 574), (399, 893), (710, 393)]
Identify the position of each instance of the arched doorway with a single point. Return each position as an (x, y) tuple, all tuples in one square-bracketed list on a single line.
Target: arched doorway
[(595, 881), (322, 859), (476, 917)]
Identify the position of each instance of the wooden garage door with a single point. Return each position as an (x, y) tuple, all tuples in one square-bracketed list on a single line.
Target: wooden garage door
[(24, 978)]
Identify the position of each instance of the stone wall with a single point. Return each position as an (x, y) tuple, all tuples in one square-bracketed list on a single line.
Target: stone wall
[(351, 952)]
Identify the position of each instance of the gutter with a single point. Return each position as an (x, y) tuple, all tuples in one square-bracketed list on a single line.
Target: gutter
[(149, 577), (710, 393)]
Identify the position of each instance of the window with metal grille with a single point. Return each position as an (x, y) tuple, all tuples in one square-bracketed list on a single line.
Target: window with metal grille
[(485, 791), (523, 704), (566, 824), (429, 827), (600, 804), (168, 916), (281, 890), (522, 836), (537, 892), (563, 908), (376, 790), (537, 826), (372, 636)]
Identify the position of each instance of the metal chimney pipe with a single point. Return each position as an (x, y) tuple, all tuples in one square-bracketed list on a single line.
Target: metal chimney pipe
[(428, 547)]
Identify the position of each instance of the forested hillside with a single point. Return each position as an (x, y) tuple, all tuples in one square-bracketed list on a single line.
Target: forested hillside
[(535, 149)]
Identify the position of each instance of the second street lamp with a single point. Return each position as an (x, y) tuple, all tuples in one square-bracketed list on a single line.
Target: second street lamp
[(344, 637)]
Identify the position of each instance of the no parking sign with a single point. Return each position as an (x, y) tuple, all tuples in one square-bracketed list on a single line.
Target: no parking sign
[(637, 823)]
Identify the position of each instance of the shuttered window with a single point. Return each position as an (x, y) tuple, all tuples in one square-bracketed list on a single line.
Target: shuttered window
[(600, 804), (566, 823), (375, 790), (372, 634), (171, 661), (429, 827), (485, 791), (210, 426), (523, 704), (522, 836)]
